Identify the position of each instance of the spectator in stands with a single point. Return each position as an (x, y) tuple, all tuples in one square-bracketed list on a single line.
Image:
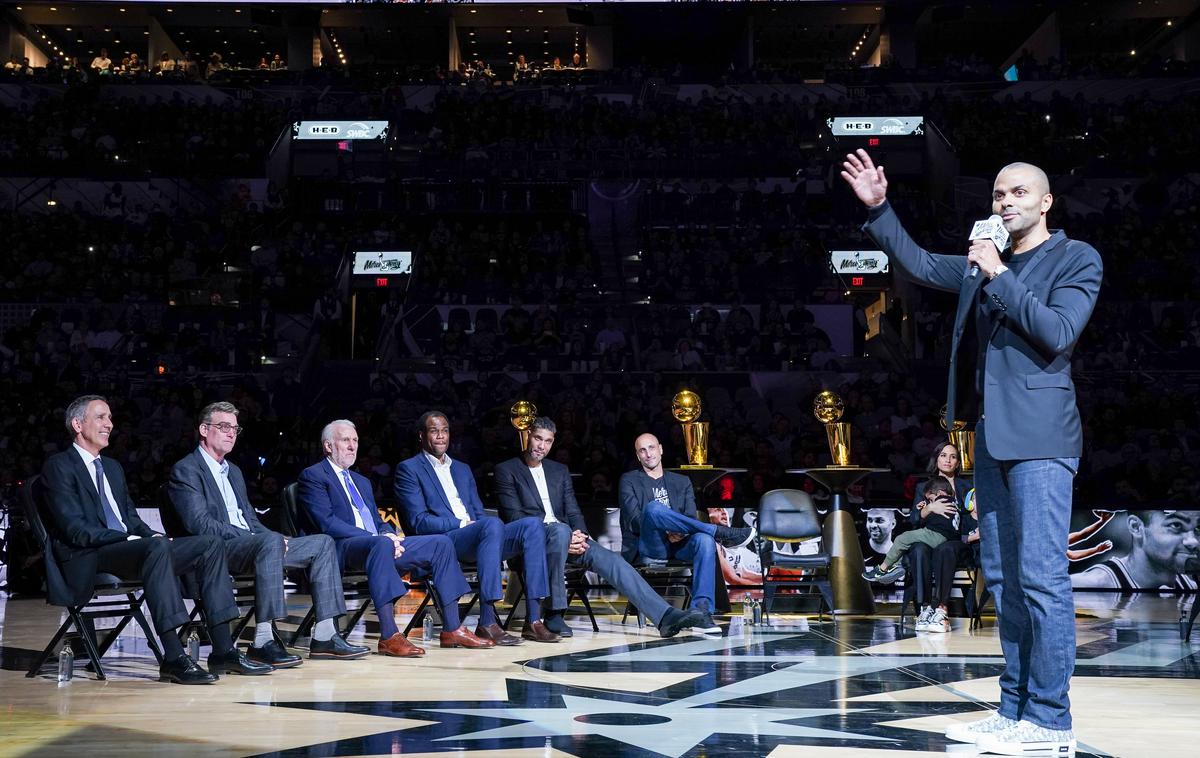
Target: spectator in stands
[(278, 64), (576, 61), (557, 64), (263, 64), (216, 64), (166, 64), (135, 64), (102, 64)]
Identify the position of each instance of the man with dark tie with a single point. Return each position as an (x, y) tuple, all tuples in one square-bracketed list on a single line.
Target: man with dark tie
[(532, 486), (94, 527), (438, 496), (209, 494), (658, 521), (340, 503)]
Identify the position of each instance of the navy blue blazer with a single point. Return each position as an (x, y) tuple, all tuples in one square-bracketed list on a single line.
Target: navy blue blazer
[(424, 508), (329, 510), (519, 498), (1028, 326)]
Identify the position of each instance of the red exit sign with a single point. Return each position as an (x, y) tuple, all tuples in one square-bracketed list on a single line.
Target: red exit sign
[(381, 281), (856, 281)]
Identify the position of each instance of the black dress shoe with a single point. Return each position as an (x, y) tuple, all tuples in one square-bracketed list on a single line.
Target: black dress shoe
[(555, 623), (676, 621), (336, 648), (273, 654), (183, 670), (235, 662)]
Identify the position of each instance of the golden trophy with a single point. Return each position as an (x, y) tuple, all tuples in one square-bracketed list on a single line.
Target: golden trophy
[(828, 408), (685, 407), (961, 438), (521, 416)]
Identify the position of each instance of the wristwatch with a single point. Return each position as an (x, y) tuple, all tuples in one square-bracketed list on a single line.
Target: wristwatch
[(999, 270)]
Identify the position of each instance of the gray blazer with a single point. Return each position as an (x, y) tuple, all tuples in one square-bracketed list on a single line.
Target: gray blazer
[(1028, 324), (194, 493)]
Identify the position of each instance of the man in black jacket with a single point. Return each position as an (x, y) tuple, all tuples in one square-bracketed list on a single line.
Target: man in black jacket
[(95, 528), (532, 485)]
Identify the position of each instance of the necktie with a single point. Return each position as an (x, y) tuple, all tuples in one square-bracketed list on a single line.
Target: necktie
[(359, 505), (111, 519)]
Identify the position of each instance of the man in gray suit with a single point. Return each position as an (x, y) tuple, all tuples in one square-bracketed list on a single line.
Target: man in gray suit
[(1029, 306), (531, 485), (209, 494)]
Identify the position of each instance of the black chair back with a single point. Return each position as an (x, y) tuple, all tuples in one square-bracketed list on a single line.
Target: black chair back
[(32, 497), (788, 516), (289, 518), (171, 521)]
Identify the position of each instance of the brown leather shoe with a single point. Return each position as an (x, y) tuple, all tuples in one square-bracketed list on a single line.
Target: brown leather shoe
[(460, 637), (496, 633), (398, 646), (538, 632)]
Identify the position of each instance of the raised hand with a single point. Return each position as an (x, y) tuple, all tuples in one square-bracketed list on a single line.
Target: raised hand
[(865, 178)]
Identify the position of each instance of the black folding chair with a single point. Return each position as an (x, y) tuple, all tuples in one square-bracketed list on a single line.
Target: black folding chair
[(969, 585), (577, 587), (789, 516), (662, 576), (112, 597)]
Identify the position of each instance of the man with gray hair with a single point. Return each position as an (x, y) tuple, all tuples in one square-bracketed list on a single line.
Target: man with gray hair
[(209, 494), (341, 503), (532, 485), (94, 527)]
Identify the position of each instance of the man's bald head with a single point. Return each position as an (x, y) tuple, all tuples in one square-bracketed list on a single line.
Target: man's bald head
[(649, 453), (1036, 179)]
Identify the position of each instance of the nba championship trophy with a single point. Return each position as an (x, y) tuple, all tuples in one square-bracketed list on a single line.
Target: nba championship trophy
[(685, 407), (962, 439), (521, 416), (828, 409)]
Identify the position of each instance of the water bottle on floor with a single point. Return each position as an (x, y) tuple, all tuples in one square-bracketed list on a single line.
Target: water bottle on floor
[(747, 611), (66, 663), (427, 628), (193, 645), (757, 611)]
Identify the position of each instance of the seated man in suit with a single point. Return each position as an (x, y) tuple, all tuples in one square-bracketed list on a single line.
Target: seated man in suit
[(340, 503), (531, 486), (438, 496), (658, 521), (209, 494), (94, 527)]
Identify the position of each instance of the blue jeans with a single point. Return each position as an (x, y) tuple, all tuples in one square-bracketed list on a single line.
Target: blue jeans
[(698, 547), (1024, 518)]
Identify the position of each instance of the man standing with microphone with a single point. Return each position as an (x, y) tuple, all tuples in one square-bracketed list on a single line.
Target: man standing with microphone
[(1030, 307)]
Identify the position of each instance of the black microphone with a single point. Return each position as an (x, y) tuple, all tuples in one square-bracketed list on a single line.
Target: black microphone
[(991, 229)]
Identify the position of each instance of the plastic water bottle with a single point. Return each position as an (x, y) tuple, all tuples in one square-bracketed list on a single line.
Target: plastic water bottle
[(747, 611), (193, 645), (427, 628), (757, 611), (66, 663)]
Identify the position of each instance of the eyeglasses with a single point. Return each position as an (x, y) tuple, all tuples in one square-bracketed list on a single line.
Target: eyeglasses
[(224, 427)]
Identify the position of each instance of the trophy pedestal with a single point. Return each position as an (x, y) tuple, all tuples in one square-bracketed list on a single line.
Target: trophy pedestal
[(696, 467), (851, 593)]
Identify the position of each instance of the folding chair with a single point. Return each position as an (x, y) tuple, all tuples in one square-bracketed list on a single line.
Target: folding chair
[(112, 597), (577, 587), (790, 516)]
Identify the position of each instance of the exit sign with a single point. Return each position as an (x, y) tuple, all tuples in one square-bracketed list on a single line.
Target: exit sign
[(381, 281)]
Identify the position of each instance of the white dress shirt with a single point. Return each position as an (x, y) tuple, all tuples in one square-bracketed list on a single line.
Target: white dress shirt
[(443, 474), (337, 474), (539, 479), (88, 462), (220, 475)]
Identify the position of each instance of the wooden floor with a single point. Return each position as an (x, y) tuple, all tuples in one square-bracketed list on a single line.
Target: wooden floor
[(861, 687)]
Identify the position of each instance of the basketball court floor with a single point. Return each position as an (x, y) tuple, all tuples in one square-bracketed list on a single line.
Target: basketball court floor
[(855, 687)]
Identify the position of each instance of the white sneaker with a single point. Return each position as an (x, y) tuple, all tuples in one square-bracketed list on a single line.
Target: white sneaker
[(972, 731), (938, 621), (923, 619), (1027, 738)]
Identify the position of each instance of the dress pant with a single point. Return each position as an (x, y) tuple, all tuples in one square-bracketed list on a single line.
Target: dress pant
[(158, 563), (932, 570), (428, 554), (697, 547), (615, 570), (488, 541), (1024, 518), (264, 553)]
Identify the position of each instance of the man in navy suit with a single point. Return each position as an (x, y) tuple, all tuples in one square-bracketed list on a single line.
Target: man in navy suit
[(533, 486), (209, 494), (1029, 307), (94, 527), (341, 503), (438, 496), (659, 521)]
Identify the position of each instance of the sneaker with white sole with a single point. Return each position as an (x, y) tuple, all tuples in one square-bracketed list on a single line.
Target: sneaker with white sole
[(973, 730), (938, 621), (1027, 738), (876, 574), (923, 619)]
